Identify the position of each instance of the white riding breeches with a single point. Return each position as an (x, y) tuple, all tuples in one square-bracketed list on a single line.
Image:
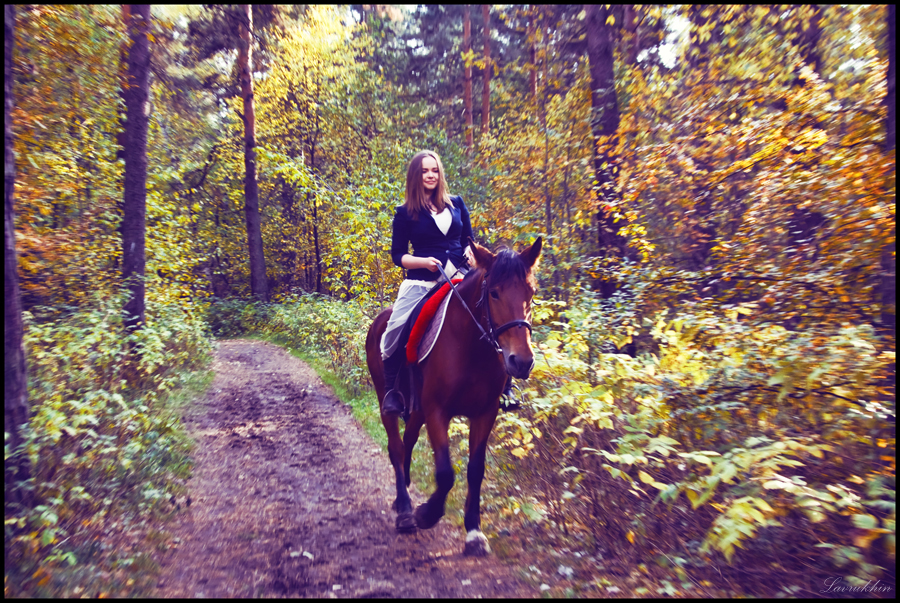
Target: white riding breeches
[(411, 292)]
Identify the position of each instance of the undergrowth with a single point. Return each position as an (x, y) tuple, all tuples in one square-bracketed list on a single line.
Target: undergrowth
[(104, 448)]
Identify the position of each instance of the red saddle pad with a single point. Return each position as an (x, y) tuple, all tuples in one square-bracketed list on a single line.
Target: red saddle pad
[(425, 316)]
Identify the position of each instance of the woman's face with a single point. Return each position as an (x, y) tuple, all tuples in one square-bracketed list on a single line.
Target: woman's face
[(430, 174)]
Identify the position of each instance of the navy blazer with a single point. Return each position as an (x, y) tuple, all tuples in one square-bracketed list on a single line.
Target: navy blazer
[(428, 240)]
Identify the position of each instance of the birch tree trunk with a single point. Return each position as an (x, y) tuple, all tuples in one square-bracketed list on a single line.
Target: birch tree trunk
[(15, 391)]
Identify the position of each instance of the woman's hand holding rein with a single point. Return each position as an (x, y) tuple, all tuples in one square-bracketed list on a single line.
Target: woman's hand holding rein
[(411, 262)]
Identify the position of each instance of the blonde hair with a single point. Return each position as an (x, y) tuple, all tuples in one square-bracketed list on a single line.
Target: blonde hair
[(416, 196)]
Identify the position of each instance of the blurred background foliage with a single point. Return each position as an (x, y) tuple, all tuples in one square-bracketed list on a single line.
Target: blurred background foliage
[(727, 413)]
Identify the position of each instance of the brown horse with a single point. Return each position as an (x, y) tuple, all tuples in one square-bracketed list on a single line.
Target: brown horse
[(463, 375)]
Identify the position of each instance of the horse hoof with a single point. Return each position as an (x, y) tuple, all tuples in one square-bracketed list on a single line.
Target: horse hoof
[(422, 519), (406, 523), (476, 544)]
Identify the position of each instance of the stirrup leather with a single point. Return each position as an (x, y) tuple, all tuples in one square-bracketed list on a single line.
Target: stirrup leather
[(512, 398)]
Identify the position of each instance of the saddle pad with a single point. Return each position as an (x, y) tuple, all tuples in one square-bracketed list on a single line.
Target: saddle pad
[(434, 329), (419, 329)]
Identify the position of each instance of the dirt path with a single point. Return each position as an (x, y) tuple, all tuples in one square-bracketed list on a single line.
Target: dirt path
[(290, 497)]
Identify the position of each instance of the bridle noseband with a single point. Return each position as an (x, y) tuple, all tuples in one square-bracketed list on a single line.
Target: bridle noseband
[(491, 334)]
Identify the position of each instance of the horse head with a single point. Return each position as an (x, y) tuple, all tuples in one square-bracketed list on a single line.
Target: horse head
[(509, 285)]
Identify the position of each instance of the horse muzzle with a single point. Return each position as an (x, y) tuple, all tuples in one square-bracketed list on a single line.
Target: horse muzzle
[(518, 366)]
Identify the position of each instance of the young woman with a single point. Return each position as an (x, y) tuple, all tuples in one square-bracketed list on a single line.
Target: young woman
[(438, 227)]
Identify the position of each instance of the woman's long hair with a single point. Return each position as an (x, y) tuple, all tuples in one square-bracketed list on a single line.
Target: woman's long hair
[(416, 195)]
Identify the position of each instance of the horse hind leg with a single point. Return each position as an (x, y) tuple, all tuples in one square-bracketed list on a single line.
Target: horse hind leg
[(410, 438), (402, 504)]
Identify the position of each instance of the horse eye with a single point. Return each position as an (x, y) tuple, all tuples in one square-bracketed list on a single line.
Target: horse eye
[(495, 295)]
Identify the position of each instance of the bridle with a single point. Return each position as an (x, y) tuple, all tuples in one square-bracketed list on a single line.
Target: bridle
[(491, 335)]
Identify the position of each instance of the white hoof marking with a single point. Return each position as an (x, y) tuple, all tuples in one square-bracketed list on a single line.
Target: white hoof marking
[(477, 543)]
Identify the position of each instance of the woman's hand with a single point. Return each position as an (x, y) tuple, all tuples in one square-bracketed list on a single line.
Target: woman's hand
[(411, 262), (430, 263)]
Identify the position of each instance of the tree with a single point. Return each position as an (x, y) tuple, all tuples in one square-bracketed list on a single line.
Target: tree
[(218, 30), (467, 93), (15, 392), (605, 124), (888, 253), (258, 284), (137, 86), (486, 91)]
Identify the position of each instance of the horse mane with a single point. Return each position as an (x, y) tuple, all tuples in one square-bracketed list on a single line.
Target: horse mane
[(508, 265)]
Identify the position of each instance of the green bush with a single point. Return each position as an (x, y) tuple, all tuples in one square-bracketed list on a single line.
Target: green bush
[(328, 329), (104, 446), (778, 440)]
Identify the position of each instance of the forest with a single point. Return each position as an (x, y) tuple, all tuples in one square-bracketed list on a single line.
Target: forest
[(713, 403)]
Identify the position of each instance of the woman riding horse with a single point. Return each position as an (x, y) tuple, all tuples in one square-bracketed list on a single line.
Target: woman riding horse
[(438, 227), (488, 341)]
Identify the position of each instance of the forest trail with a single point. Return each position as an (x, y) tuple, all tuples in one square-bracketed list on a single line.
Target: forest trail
[(291, 498)]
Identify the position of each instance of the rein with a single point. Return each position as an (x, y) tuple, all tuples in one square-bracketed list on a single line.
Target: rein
[(491, 334)]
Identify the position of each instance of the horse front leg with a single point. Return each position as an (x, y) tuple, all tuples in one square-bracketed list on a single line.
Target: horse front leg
[(479, 431), (429, 513)]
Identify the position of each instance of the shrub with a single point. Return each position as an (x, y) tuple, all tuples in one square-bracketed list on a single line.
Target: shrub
[(104, 447), (778, 440), (332, 330)]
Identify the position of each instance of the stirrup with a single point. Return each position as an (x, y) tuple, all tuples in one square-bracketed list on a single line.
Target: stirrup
[(512, 399), (393, 406)]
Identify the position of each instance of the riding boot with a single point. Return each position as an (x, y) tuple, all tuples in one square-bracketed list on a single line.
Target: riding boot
[(393, 404)]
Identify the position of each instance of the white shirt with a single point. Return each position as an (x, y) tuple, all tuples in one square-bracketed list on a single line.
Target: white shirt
[(443, 220)]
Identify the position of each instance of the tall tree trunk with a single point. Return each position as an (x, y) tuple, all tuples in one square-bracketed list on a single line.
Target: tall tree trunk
[(631, 26), (604, 124), (486, 92), (15, 390), (258, 285), (134, 198), (315, 222), (550, 246), (888, 254), (804, 223), (532, 58), (467, 91)]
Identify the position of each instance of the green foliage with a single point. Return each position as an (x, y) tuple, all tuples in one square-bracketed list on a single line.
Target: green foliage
[(67, 177), (773, 437), (105, 447), (325, 329)]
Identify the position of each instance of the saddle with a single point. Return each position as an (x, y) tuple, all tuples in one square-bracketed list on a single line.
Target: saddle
[(416, 327)]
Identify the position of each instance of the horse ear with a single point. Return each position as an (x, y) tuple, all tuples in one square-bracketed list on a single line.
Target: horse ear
[(530, 256), (484, 259)]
